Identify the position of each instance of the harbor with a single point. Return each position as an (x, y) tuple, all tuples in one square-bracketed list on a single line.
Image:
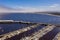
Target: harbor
[(25, 28), (31, 31)]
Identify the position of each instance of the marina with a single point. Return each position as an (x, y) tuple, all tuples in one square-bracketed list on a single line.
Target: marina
[(29, 19), (32, 31), (29, 29)]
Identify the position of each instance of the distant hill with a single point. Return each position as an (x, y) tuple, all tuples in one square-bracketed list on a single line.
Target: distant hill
[(53, 13)]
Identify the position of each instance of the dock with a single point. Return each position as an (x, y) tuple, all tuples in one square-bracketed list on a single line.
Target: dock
[(57, 37), (43, 31), (34, 36), (17, 32)]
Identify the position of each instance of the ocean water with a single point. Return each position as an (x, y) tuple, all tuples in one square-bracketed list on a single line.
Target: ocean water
[(5, 28), (29, 17)]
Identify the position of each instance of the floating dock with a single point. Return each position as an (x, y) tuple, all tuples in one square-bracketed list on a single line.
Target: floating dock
[(57, 37), (43, 31), (17, 32), (34, 36)]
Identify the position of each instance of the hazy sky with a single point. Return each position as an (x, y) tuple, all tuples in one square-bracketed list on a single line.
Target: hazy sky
[(34, 5)]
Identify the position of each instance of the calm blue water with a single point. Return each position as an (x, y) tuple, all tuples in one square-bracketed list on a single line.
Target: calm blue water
[(32, 18), (5, 28)]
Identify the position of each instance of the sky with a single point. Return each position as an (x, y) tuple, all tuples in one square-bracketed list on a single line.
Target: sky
[(30, 5)]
